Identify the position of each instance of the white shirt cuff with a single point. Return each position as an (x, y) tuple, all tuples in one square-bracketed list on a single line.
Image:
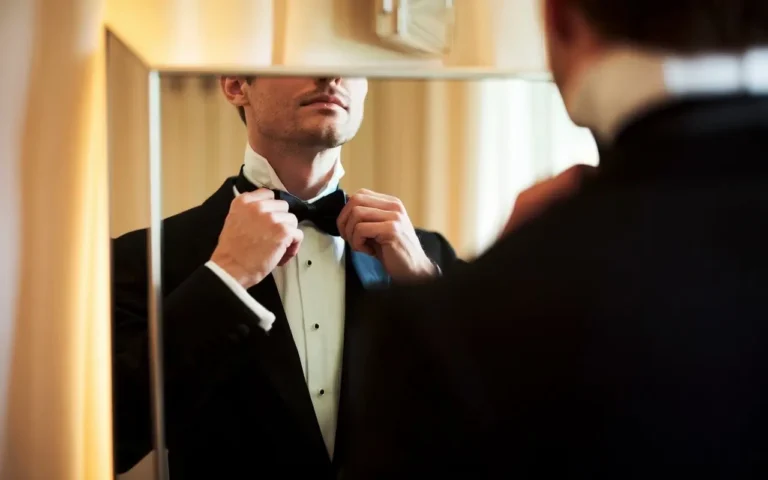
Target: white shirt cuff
[(266, 318)]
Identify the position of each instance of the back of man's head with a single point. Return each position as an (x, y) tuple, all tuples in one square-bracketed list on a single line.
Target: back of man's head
[(679, 26), (580, 33)]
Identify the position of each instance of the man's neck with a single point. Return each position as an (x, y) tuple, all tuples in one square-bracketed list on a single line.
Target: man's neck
[(624, 83), (607, 90), (304, 172)]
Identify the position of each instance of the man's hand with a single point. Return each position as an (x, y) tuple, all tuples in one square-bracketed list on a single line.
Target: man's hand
[(378, 225), (258, 235), (536, 199)]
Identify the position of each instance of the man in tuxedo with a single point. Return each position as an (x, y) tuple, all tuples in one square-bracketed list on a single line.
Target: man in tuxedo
[(258, 283), (620, 332)]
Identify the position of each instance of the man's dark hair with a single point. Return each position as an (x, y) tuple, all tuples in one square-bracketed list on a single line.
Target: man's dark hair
[(241, 110), (681, 26)]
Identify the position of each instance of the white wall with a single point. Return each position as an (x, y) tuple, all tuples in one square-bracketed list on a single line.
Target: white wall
[(239, 35)]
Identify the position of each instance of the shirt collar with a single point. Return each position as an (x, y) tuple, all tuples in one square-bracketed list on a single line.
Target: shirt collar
[(628, 82), (259, 172)]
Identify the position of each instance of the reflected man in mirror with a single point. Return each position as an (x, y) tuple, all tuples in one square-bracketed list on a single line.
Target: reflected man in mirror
[(258, 284), (621, 332)]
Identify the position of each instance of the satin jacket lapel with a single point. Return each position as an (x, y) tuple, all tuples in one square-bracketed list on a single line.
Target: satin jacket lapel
[(363, 273), (280, 360)]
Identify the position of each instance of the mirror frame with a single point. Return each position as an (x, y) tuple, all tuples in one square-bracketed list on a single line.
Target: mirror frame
[(154, 268)]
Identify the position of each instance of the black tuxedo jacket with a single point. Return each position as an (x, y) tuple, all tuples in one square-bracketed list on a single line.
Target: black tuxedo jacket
[(623, 334), (237, 405)]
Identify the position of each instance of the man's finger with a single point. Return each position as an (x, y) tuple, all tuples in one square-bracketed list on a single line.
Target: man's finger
[(283, 217), (268, 206), (378, 232), (538, 198), (367, 200), (293, 248), (383, 196), (257, 195), (364, 214)]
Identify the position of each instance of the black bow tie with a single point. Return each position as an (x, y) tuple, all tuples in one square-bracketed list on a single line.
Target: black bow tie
[(323, 213)]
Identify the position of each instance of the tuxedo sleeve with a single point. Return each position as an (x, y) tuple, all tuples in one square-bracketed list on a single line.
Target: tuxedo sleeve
[(266, 318), (206, 331), (439, 250)]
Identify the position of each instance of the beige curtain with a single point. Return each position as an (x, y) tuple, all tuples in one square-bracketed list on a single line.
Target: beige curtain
[(55, 385)]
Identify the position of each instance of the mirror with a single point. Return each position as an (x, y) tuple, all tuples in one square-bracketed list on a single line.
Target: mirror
[(258, 383), (425, 38)]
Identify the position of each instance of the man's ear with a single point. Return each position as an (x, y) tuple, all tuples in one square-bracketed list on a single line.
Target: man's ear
[(558, 17), (234, 89)]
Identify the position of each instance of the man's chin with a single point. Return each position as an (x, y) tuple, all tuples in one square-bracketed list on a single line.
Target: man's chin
[(323, 137)]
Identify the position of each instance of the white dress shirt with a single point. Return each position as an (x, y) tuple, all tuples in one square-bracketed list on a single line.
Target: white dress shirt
[(627, 82), (312, 288)]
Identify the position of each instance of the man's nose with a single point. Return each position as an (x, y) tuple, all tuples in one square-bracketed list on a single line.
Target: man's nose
[(329, 80)]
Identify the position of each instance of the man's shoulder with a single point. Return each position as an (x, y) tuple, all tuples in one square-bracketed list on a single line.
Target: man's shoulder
[(187, 240), (429, 238), (137, 239), (430, 235), (436, 246), (186, 225)]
